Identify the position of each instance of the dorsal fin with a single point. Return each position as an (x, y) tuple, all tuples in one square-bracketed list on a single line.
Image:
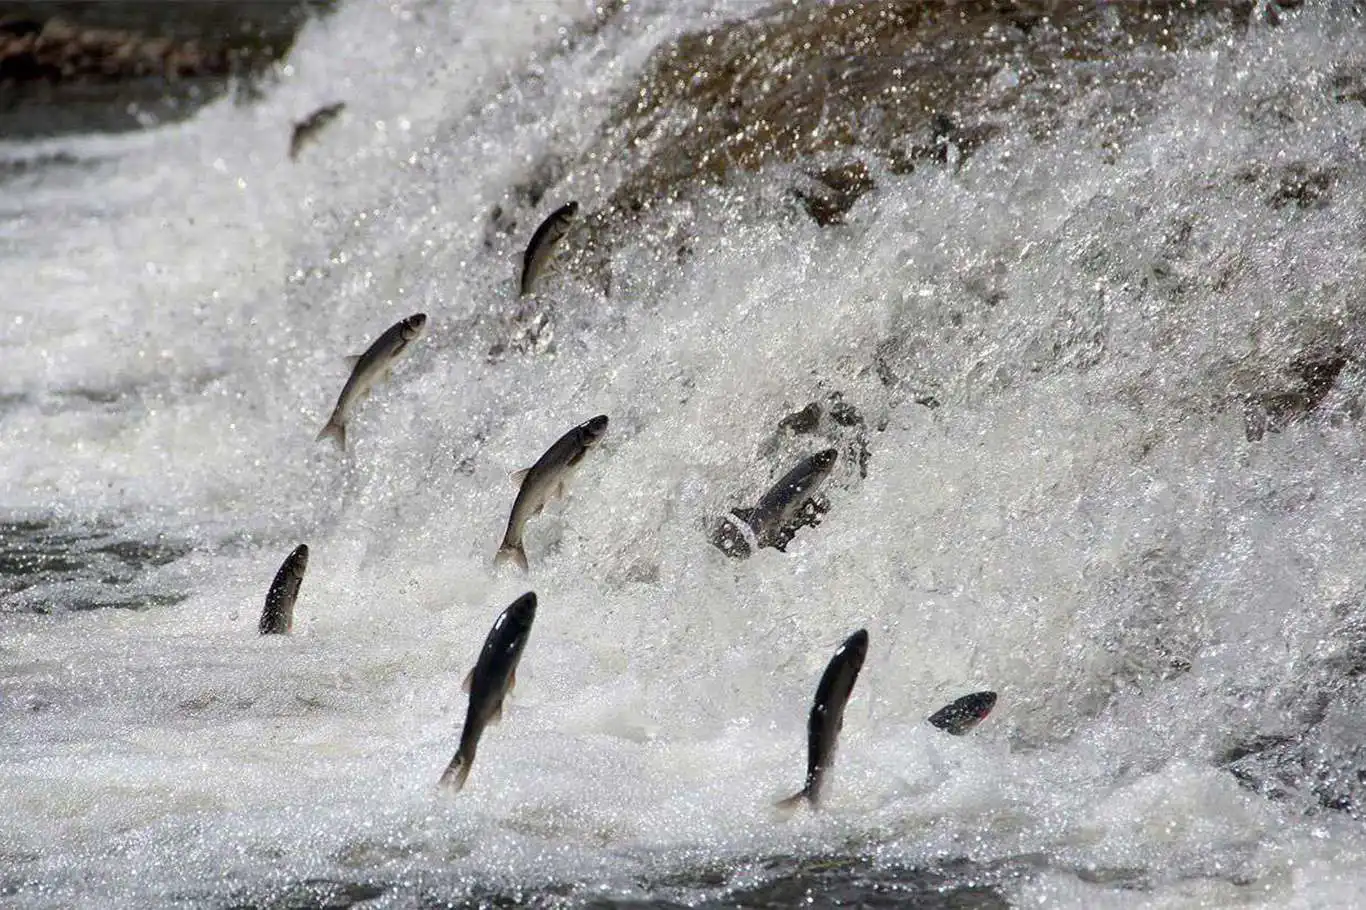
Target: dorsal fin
[(519, 476), (468, 683), (352, 361)]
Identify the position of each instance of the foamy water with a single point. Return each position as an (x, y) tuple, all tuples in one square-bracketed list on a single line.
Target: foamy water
[(1082, 526)]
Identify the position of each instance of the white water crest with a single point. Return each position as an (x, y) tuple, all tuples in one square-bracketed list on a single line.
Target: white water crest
[(1081, 524)]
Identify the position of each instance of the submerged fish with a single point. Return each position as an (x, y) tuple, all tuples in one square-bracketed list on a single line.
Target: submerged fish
[(965, 713), (545, 480), (493, 676), (827, 716), (780, 511), (278, 616), (368, 368), (310, 126), (541, 249)]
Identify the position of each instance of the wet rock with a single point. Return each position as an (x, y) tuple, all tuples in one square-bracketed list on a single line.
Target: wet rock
[(1316, 759), (1303, 386), (834, 191), (804, 421), (124, 64), (1303, 187), (902, 78)]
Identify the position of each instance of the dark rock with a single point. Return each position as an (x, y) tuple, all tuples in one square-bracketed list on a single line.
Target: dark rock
[(798, 81), (117, 65), (834, 192), (1304, 385), (1302, 187), (804, 421)]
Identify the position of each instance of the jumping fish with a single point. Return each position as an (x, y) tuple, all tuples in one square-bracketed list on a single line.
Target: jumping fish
[(545, 480), (493, 677), (964, 713), (780, 509), (827, 717), (547, 237), (278, 616), (369, 368), (310, 126)]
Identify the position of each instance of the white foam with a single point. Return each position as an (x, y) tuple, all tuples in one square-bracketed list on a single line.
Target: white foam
[(1079, 496)]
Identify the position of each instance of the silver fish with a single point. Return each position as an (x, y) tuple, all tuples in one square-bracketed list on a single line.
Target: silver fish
[(964, 713), (541, 249), (827, 716), (545, 480), (310, 126), (369, 368), (781, 506), (493, 677), (278, 616)]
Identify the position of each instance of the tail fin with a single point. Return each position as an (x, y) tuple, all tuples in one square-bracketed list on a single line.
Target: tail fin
[(796, 799), (456, 772), (336, 430), (513, 552)]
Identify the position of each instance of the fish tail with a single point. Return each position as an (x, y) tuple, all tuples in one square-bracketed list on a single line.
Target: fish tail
[(511, 552), (336, 430), (457, 771), (796, 799)]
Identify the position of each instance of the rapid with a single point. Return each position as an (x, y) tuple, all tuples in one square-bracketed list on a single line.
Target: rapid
[(1106, 379)]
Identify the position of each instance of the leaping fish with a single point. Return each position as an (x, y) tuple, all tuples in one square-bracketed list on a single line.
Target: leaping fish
[(780, 508), (545, 480), (827, 717), (964, 713), (541, 249), (278, 616), (493, 676), (369, 368)]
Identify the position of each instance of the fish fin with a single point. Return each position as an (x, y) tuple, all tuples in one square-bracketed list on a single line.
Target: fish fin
[(468, 683), (743, 514), (512, 552), (512, 681), (795, 800), (388, 374), (336, 430), (456, 772), (497, 715), (352, 361), (519, 476), (559, 490)]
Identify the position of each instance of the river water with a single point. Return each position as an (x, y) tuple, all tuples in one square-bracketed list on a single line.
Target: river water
[(1097, 390)]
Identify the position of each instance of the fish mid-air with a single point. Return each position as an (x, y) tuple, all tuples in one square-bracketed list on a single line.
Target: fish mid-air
[(489, 682), (545, 480), (369, 368), (278, 616), (780, 512), (964, 713), (541, 250), (827, 717), (309, 127)]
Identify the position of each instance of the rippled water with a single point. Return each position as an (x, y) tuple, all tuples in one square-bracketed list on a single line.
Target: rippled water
[(1096, 382)]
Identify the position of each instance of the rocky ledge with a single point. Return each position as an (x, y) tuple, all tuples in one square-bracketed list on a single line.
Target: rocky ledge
[(124, 64)]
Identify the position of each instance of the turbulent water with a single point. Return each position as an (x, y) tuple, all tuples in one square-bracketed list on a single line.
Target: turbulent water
[(1097, 389)]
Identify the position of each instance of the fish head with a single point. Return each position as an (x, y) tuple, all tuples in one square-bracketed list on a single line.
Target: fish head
[(593, 430), (570, 211), (523, 611), (825, 460), (855, 647), (299, 559), (413, 326), (978, 704)]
